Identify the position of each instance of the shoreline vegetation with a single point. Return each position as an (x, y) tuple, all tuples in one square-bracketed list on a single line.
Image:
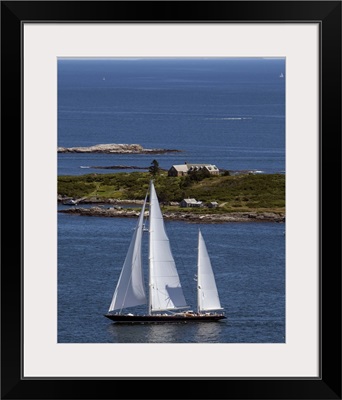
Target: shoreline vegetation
[(243, 197)]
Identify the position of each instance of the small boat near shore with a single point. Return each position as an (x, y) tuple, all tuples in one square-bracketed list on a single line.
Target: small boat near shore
[(165, 299), (70, 202)]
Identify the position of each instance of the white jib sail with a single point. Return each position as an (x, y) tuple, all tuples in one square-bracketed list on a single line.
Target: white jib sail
[(208, 298), (165, 289), (130, 289)]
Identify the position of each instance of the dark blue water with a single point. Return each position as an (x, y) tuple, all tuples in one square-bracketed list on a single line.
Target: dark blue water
[(227, 112), (248, 261)]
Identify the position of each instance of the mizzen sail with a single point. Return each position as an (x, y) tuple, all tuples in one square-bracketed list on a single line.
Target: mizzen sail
[(208, 298)]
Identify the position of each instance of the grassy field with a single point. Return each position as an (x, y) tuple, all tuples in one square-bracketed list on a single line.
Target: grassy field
[(245, 192)]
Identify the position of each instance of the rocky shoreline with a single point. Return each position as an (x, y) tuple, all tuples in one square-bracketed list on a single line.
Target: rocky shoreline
[(113, 148), (97, 211)]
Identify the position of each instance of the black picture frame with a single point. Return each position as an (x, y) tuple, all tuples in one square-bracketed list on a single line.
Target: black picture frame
[(328, 15)]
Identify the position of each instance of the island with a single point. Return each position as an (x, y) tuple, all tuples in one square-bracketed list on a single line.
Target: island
[(113, 148), (220, 198)]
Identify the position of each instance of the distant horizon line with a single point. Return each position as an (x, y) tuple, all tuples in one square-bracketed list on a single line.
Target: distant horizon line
[(125, 58)]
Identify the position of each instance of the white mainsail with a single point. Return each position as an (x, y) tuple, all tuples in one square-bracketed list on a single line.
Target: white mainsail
[(165, 289), (130, 290), (207, 294)]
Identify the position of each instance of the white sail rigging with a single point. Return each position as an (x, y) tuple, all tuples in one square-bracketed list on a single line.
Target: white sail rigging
[(130, 290), (207, 294), (165, 289)]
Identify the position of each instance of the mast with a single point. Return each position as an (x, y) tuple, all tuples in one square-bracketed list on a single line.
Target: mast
[(150, 257), (198, 274)]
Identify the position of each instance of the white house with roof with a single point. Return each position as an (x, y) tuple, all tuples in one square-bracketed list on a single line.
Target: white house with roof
[(190, 203), (178, 170), (212, 204), (185, 169)]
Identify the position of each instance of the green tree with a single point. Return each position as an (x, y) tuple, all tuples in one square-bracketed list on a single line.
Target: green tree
[(199, 175), (154, 168)]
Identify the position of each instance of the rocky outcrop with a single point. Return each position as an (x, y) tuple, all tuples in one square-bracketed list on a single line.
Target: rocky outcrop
[(179, 216), (112, 148)]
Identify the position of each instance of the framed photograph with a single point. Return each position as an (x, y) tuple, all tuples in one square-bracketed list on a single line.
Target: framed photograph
[(170, 95)]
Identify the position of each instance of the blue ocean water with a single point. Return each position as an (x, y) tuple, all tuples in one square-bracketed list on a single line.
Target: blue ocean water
[(248, 262), (229, 112)]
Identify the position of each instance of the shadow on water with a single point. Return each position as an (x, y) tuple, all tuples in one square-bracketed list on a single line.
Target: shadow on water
[(182, 332)]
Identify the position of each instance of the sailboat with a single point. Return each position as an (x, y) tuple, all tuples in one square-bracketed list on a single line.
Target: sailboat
[(165, 299)]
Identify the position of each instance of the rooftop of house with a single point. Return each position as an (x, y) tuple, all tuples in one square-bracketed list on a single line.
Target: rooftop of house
[(192, 201), (181, 168), (186, 167)]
